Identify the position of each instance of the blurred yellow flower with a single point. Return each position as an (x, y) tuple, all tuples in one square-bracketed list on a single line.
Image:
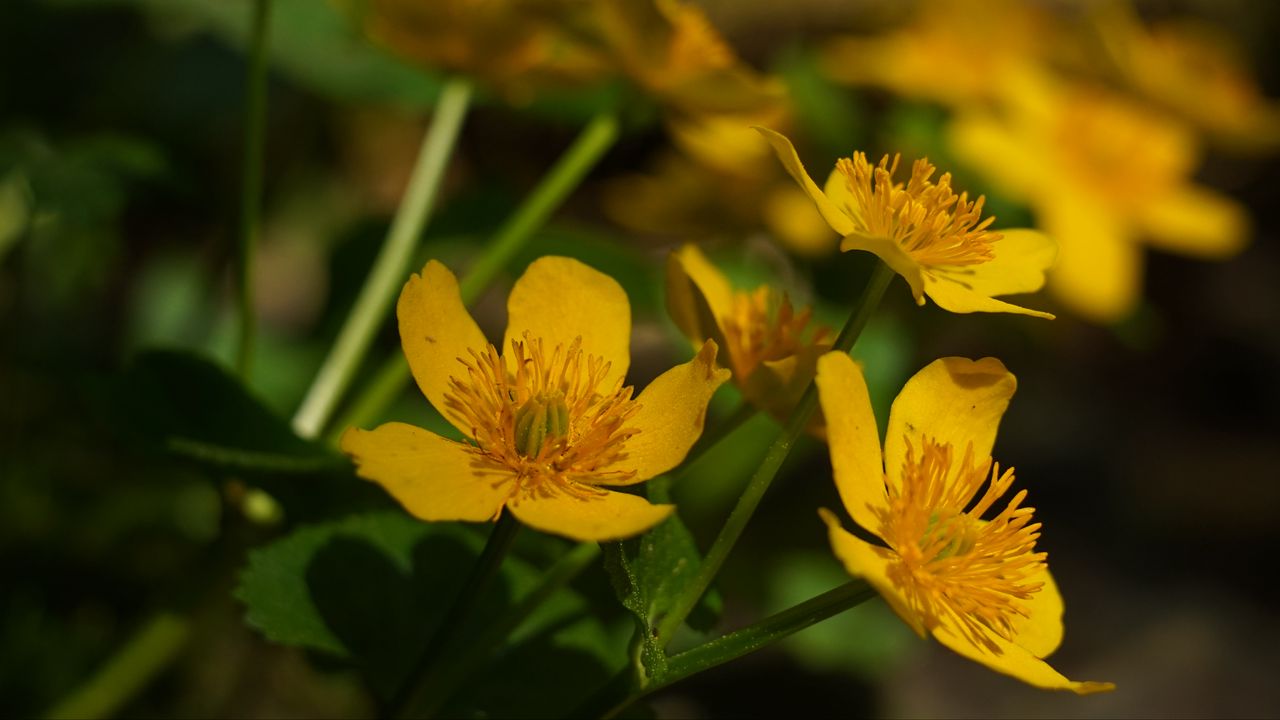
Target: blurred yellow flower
[(719, 181), (950, 51), (1189, 68), (672, 51), (550, 423), (771, 348), (515, 45), (937, 241), (978, 586), (1102, 173)]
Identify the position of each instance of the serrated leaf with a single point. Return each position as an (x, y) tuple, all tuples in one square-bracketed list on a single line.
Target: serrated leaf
[(369, 589), (650, 572)]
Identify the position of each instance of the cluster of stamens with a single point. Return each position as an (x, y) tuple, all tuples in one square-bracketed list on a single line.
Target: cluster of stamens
[(764, 326), (925, 218), (548, 420), (953, 566)]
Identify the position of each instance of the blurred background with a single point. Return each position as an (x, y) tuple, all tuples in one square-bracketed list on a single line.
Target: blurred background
[(1145, 425)]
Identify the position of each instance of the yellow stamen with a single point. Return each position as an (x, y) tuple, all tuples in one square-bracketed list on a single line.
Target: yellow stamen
[(763, 326), (926, 219), (953, 566), (549, 421)]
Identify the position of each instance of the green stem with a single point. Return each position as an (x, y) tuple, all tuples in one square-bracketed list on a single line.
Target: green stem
[(411, 693), (441, 685), (755, 637), (255, 115), (391, 266), (150, 649), (568, 172), (772, 462)]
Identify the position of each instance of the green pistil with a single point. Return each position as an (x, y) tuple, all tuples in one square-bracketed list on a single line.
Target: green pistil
[(542, 418)]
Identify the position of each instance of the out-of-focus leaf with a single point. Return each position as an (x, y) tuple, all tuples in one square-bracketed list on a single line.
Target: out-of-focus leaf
[(867, 640), (312, 43), (650, 572), (197, 410)]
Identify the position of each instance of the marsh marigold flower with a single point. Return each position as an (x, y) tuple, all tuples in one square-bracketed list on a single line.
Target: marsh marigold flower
[(977, 585), (771, 347), (936, 240), (551, 426), (1104, 175)]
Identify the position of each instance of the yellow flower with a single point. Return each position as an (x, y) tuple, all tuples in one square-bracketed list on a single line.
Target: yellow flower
[(1192, 70), (763, 336), (937, 241), (671, 50), (1102, 174), (951, 51), (551, 426), (516, 45), (977, 585)]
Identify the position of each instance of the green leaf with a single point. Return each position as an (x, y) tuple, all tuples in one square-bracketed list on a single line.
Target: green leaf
[(649, 573), (195, 409), (368, 589)]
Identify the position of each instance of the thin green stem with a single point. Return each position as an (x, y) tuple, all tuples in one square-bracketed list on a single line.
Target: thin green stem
[(754, 637), (255, 117), (391, 266), (772, 462), (568, 172), (482, 574), (440, 685), (150, 649)]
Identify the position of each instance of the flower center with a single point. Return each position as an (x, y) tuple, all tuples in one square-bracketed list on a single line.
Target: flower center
[(543, 417), (925, 218), (549, 420), (974, 575), (763, 326)]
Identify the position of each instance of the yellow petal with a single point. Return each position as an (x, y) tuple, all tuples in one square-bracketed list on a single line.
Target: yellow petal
[(871, 563), (839, 193), (432, 477), (436, 330), (952, 292), (893, 255), (1190, 220), (952, 400), (1021, 259), (1041, 632), (698, 296), (1099, 267), (598, 517), (672, 412), (1009, 161), (559, 299), (776, 385), (852, 437), (832, 213), (1016, 662)]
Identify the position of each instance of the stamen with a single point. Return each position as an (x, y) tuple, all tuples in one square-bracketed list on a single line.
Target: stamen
[(549, 422), (763, 326), (953, 566), (926, 219)]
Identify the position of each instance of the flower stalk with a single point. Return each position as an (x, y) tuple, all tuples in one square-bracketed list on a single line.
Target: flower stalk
[(754, 492), (255, 116), (391, 266)]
